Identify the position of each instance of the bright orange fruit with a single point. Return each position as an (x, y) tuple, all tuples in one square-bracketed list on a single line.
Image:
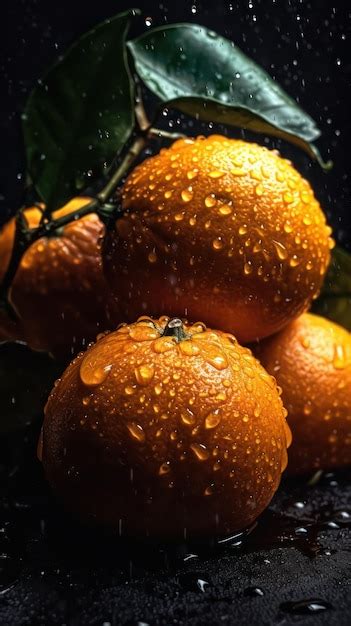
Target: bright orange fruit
[(221, 230), (59, 291), (160, 427), (311, 360)]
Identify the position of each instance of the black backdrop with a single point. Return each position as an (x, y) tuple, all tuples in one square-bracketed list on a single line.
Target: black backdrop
[(304, 45), (65, 579)]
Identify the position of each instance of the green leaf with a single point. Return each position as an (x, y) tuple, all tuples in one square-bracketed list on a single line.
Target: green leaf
[(81, 114), (334, 301), (205, 75)]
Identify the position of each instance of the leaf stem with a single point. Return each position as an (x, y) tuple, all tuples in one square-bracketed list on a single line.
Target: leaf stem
[(174, 328), (159, 132), (24, 236), (135, 149)]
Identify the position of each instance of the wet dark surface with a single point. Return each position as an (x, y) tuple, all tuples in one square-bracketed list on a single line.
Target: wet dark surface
[(293, 566)]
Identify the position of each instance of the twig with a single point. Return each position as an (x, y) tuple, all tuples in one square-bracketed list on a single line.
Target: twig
[(24, 236), (159, 132)]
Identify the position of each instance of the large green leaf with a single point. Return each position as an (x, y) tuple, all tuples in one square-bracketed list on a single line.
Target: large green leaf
[(335, 299), (81, 114), (205, 75)]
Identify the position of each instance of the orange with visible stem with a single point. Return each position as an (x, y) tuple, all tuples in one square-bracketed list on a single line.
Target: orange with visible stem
[(59, 291), (160, 427)]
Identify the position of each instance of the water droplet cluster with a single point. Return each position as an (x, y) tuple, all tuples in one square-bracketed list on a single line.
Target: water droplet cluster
[(215, 218), (170, 406), (311, 360)]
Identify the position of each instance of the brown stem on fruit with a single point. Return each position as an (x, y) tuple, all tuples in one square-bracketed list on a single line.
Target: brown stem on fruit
[(174, 328)]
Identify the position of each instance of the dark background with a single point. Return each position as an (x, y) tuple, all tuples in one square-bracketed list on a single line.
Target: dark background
[(50, 572), (304, 45)]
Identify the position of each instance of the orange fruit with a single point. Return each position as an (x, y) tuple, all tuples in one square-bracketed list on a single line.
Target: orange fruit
[(9, 328), (311, 360), (59, 291), (222, 230), (161, 427)]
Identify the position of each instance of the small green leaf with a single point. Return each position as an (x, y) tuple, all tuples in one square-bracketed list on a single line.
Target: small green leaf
[(207, 76), (334, 301), (81, 114)]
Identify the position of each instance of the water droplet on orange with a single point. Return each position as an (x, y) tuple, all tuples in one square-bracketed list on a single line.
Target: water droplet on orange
[(158, 389), (200, 451), (144, 374), (219, 361), (165, 468), (187, 194), (248, 268), (216, 174), (288, 197), (259, 189), (305, 342), (281, 250), (307, 409), (136, 431), (129, 390), (210, 201), (238, 171), (191, 174), (288, 227), (209, 490), (294, 261), (142, 332), (280, 177), (305, 197), (339, 359), (225, 209), (178, 217), (91, 373), (162, 344), (189, 348), (307, 220), (217, 243), (213, 419), (242, 230), (152, 257), (188, 417)]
